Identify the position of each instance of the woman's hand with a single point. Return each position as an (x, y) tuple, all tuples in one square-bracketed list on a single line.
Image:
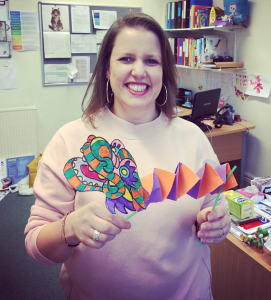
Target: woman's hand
[(213, 225), (81, 224)]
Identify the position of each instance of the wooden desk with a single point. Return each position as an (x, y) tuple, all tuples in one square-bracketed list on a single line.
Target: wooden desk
[(239, 271), (229, 144)]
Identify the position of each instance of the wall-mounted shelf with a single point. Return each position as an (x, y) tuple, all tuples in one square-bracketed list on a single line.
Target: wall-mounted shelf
[(211, 69), (219, 27)]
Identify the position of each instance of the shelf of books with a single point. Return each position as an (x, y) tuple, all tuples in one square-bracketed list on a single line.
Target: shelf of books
[(194, 47)]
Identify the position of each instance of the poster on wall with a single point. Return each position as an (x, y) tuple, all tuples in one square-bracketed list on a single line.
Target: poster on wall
[(259, 85), (55, 18), (25, 33)]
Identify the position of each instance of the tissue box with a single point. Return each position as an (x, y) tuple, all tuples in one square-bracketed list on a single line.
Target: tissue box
[(239, 205), (256, 198)]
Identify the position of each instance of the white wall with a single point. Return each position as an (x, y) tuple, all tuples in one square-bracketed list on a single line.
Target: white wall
[(59, 105), (253, 48)]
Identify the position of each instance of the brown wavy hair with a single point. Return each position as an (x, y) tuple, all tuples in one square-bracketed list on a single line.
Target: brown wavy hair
[(98, 97)]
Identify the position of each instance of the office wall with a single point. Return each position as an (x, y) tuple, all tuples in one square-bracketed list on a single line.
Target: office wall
[(56, 105), (253, 48), (59, 105)]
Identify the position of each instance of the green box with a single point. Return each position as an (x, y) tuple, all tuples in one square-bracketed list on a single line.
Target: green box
[(239, 205)]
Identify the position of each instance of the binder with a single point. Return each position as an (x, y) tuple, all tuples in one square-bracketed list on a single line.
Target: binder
[(187, 13), (176, 15), (175, 49), (180, 51), (179, 16), (168, 15), (184, 47), (184, 14), (172, 14)]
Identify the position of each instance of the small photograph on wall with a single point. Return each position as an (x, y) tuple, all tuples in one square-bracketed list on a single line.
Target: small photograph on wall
[(55, 18)]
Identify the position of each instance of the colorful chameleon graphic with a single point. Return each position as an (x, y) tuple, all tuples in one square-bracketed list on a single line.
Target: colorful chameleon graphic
[(107, 168)]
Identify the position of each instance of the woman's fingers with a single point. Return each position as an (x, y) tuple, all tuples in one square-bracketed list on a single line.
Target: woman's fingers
[(216, 227), (95, 216)]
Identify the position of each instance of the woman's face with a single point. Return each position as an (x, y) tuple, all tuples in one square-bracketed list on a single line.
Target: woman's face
[(135, 72)]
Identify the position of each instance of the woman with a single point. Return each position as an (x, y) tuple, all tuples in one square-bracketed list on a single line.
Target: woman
[(130, 118)]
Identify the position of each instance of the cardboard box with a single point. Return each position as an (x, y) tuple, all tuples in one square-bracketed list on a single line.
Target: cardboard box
[(239, 205)]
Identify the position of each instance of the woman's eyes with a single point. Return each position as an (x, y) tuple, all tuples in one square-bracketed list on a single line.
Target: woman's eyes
[(148, 61), (152, 61), (127, 59)]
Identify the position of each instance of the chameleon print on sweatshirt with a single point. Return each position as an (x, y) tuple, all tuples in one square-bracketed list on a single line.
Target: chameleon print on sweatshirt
[(110, 169)]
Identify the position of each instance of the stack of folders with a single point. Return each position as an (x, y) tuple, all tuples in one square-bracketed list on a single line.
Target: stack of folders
[(192, 52), (187, 14)]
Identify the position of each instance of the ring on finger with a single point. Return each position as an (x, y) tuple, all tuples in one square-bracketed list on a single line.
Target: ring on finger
[(96, 236), (222, 232)]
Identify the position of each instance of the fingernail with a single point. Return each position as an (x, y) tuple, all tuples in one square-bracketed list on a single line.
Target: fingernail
[(210, 218), (127, 225)]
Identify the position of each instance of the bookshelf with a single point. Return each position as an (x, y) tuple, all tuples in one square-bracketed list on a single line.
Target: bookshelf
[(228, 31)]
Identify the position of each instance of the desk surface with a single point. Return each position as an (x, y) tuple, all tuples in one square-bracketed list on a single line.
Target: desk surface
[(239, 271), (225, 129)]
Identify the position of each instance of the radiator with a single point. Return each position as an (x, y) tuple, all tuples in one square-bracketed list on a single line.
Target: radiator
[(18, 132)]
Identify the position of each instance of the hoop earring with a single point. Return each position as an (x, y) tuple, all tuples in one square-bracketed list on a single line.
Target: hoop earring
[(107, 93), (166, 97)]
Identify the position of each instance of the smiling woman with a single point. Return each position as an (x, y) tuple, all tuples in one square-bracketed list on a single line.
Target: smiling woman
[(92, 170), (138, 43), (136, 75)]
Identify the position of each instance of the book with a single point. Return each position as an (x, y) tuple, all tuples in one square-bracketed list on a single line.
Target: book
[(207, 15), (201, 17), (238, 221), (194, 16)]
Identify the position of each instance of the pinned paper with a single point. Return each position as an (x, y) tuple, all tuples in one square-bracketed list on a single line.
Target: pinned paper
[(72, 71)]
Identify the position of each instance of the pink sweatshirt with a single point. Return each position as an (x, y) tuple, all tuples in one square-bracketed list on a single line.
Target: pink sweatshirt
[(159, 257)]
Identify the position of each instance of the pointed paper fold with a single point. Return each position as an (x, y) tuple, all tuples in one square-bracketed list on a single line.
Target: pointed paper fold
[(185, 179), (231, 182), (166, 180), (209, 181), (221, 171)]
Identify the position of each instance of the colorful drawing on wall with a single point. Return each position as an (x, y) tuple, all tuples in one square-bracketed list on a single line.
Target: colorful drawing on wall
[(238, 93), (259, 85), (240, 80)]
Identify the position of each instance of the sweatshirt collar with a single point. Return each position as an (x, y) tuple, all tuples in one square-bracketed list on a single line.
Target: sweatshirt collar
[(132, 131)]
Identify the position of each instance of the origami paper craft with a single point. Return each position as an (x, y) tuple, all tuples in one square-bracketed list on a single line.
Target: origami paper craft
[(111, 169)]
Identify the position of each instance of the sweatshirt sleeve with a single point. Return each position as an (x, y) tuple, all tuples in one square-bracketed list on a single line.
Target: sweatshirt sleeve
[(54, 196)]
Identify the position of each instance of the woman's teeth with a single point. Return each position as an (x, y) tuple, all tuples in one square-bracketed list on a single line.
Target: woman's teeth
[(137, 87)]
